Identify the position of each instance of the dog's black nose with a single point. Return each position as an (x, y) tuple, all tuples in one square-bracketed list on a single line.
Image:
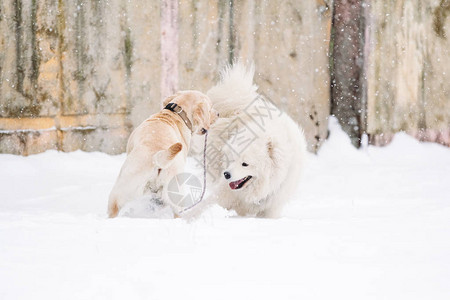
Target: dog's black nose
[(227, 175)]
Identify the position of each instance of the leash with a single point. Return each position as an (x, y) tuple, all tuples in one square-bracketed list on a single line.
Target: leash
[(204, 178)]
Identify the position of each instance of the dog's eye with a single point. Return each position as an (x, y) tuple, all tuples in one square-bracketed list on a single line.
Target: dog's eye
[(244, 164), (203, 131)]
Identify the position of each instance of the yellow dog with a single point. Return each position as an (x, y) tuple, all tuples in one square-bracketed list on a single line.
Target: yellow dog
[(157, 148)]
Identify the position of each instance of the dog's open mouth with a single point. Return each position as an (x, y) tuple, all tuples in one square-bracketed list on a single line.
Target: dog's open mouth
[(235, 185)]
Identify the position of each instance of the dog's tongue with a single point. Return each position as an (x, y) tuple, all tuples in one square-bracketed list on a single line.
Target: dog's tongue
[(235, 184)]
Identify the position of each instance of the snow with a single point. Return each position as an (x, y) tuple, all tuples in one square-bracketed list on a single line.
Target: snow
[(372, 223)]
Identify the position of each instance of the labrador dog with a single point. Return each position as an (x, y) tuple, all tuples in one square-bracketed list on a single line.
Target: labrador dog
[(157, 149)]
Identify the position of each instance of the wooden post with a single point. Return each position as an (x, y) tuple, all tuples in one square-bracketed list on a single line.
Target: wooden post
[(347, 80)]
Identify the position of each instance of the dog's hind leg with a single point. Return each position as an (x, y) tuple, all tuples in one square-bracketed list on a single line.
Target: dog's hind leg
[(113, 209)]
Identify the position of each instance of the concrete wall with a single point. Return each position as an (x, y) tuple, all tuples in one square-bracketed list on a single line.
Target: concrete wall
[(289, 40), (408, 70), (76, 74), (391, 69), (82, 74)]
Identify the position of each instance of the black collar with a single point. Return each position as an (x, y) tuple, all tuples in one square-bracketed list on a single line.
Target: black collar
[(179, 111)]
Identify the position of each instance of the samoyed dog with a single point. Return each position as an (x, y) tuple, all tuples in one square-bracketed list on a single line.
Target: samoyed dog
[(255, 152)]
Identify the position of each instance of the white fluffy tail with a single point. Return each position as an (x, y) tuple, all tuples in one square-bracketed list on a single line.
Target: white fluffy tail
[(235, 90)]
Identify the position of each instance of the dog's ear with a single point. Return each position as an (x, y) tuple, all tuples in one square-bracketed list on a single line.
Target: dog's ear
[(200, 116), (169, 99), (164, 158)]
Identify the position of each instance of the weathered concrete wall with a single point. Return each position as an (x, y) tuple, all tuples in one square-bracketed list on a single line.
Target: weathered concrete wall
[(408, 69), (203, 42), (77, 74), (289, 41), (81, 74)]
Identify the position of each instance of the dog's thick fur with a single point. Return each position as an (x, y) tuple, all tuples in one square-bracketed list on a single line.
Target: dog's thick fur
[(251, 140), (157, 150)]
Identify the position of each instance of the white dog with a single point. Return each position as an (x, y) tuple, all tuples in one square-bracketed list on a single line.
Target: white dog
[(255, 152)]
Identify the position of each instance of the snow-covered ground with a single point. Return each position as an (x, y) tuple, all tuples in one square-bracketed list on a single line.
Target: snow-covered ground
[(366, 224)]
